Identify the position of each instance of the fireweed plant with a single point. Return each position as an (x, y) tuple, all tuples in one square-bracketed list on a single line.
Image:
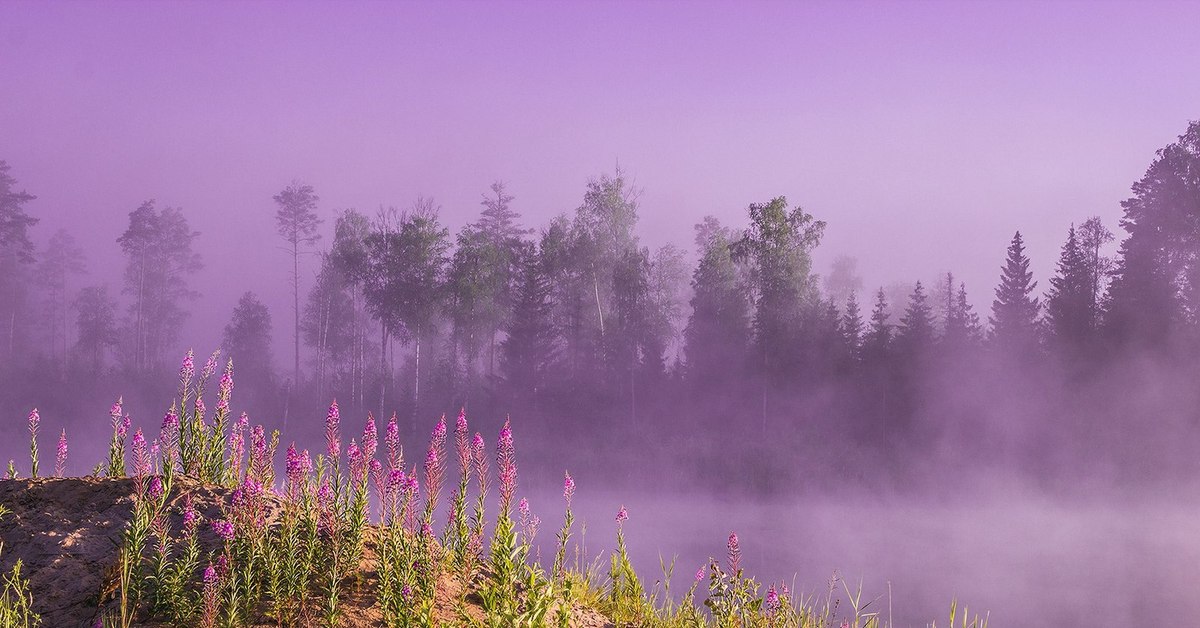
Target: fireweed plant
[(288, 551)]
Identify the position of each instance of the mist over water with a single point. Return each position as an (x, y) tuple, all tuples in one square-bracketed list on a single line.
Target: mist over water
[(957, 360)]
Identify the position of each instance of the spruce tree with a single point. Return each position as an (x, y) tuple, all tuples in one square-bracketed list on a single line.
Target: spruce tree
[(1015, 309), (1068, 304), (879, 334), (852, 327), (916, 326), (528, 353), (962, 323)]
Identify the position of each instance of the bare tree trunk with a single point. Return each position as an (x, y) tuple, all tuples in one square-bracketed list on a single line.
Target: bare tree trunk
[(296, 304), (383, 334), (417, 378)]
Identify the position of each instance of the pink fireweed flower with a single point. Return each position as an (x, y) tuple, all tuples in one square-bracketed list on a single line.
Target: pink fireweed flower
[(773, 602), (370, 438), (622, 515), (395, 455), (568, 488), (259, 455), (462, 443), (156, 487), (225, 388), (506, 463), (529, 523), (210, 366), (333, 445), (200, 408), (35, 419), (123, 429), (210, 596), (735, 553), (298, 468), (188, 369), (60, 464), (439, 430), (115, 413), (191, 518), (700, 573), (168, 438), (224, 529), (142, 464), (210, 574)]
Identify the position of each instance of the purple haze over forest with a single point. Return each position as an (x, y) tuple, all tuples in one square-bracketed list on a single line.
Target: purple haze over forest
[(923, 133)]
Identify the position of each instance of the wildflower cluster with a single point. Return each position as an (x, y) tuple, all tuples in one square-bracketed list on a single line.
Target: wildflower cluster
[(285, 551)]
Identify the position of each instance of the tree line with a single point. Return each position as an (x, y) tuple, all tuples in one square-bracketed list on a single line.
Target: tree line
[(579, 323)]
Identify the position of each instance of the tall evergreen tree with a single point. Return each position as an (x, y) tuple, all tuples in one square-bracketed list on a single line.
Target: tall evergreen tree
[(297, 222), (916, 326), (528, 353), (878, 341), (1015, 309), (1155, 289), (852, 328), (716, 338), (1069, 314), (962, 329)]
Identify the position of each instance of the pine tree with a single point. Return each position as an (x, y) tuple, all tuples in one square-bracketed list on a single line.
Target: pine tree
[(1069, 302), (297, 223), (962, 330), (916, 326), (529, 352), (852, 327), (1015, 310), (878, 341)]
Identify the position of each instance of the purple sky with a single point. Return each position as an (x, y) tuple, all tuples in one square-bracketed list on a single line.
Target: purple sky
[(923, 133)]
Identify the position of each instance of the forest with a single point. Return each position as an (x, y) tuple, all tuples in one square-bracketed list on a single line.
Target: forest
[(600, 345)]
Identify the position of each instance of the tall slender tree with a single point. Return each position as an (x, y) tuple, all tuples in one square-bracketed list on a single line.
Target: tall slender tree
[(1015, 309), (777, 246), (16, 255), (852, 327), (61, 260), (528, 352), (1069, 314), (878, 341), (158, 248), (717, 336), (916, 326), (1155, 291), (297, 223)]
